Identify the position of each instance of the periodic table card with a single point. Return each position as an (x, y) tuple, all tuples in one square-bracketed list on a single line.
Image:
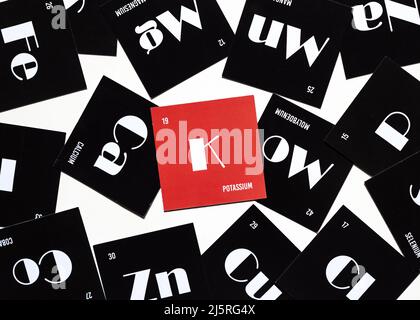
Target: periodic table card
[(380, 28), (347, 261), (92, 33), (288, 47), (208, 153), (396, 194), (111, 149), (28, 181), (381, 127), (37, 61), (168, 42), (245, 262), (165, 264), (303, 175), (48, 259)]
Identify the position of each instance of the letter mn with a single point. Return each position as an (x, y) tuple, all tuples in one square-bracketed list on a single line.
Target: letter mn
[(293, 40)]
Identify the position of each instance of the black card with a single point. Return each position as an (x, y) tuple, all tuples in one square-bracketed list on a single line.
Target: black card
[(28, 181), (347, 261), (380, 28), (37, 62), (396, 194), (168, 42), (381, 126), (247, 259), (92, 33), (303, 175), (164, 264), (48, 258), (111, 148), (288, 47)]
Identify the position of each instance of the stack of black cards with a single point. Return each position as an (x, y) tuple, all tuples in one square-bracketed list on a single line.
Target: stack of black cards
[(347, 260), (379, 134)]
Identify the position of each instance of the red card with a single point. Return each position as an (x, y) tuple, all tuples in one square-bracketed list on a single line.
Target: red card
[(208, 153)]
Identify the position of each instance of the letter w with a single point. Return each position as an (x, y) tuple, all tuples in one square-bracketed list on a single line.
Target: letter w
[(314, 169), (174, 26), (310, 46)]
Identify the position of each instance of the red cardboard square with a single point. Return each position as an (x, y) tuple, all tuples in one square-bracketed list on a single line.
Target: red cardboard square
[(208, 153)]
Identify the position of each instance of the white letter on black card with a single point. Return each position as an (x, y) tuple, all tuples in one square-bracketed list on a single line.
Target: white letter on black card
[(22, 60), (235, 259), (174, 26), (141, 279), (297, 164), (395, 138), (274, 33), (309, 46), (134, 125), (402, 12), (314, 169), (7, 174), (361, 19), (372, 11), (416, 199), (62, 263), (149, 31), (336, 267), (293, 44)]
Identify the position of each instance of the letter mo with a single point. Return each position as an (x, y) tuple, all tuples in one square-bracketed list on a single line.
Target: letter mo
[(297, 163), (110, 165)]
